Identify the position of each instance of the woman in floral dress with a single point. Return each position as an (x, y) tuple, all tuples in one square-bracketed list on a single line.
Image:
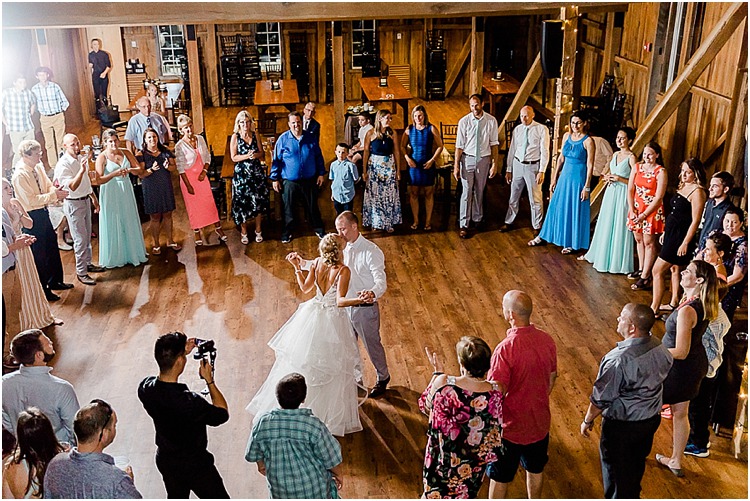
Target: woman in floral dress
[(381, 170), (250, 195), (464, 425)]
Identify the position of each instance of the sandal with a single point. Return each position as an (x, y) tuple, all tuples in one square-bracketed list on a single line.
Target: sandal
[(156, 251), (536, 242), (667, 307), (582, 257), (635, 275), (427, 227), (567, 250), (198, 238), (244, 239), (664, 461), (258, 237), (220, 234), (175, 247), (414, 226), (642, 284)]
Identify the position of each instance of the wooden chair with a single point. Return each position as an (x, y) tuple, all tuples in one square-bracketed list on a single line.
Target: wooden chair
[(448, 133), (273, 72), (403, 73), (448, 198), (267, 126)]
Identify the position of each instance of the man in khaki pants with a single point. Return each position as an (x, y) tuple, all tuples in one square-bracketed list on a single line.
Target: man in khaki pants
[(51, 103), (18, 105)]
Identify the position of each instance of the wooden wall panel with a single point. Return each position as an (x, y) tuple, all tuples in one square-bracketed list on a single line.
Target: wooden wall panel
[(409, 49), (111, 37), (67, 47), (719, 76), (590, 52), (639, 28), (146, 49)]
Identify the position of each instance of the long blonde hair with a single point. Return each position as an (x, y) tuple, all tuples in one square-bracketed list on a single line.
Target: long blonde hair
[(380, 132), (242, 114), (708, 291)]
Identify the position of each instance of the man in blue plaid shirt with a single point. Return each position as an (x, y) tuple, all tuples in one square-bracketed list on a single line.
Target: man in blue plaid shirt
[(294, 450), (18, 106), (51, 103)]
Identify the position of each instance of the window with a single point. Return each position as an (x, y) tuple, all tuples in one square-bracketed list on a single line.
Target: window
[(268, 40), (171, 49), (363, 41)]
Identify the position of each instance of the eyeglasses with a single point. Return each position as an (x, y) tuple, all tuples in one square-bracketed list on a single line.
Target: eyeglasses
[(108, 410)]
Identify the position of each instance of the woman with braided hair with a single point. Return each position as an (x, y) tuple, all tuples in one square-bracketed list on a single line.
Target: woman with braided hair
[(318, 342)]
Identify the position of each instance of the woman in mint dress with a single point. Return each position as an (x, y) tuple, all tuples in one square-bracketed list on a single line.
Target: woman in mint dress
[(120, 234), (612, 246), (568, 215)]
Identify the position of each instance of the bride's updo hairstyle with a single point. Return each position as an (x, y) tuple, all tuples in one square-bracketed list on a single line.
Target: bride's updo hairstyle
[(329, 249)]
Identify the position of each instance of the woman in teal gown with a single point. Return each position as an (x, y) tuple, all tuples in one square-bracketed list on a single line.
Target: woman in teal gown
[(611, 249), (120, 233), (568, 216)]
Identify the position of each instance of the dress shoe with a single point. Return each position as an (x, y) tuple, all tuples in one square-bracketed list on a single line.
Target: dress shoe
[(379, 388), (61, 286), (51, 296), (92, 268), (479, 225), (463, 233), (86, 280), (506, 228)]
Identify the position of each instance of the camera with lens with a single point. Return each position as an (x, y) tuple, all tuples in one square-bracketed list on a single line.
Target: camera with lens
[(205, 347)]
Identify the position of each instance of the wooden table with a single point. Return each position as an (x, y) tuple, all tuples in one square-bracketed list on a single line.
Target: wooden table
[(394, 92), (286, 96), (508, 86)]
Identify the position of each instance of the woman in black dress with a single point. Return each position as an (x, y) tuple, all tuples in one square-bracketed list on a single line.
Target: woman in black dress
[(684, 330), (678, 239), (157, 164), (250, 195)]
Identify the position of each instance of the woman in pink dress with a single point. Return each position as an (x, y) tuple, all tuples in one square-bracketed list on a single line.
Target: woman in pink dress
[(193, 161)]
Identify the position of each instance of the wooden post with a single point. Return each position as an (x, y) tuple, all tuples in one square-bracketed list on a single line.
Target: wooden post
[(713, 43), (455, 72), (523, 94), (737, 124), (212, 59), (612, 41), (338, 80), (321, 61), (40, 35), (564, 102), (194, 71), (476, 67)]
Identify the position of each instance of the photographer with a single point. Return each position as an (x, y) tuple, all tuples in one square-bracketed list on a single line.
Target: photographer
[(180, 418)]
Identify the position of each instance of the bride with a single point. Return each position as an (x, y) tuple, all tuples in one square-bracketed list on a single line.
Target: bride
[(318, 342)]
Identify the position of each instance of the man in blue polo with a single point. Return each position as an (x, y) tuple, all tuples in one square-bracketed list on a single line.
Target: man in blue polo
[(297, 173)]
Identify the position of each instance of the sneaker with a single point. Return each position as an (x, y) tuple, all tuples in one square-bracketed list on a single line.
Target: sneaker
[(694, 450), (286, 239)]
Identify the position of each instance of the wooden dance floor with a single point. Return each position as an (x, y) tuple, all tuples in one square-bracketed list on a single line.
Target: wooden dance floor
[(439, 288)]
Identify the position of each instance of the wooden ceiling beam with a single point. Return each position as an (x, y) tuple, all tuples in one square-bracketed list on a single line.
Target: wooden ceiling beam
[(80, 14)]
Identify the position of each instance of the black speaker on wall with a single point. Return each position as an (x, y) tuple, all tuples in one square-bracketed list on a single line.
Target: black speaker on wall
[(552, 48)]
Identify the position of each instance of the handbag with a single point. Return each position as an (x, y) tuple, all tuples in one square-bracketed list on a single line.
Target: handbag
[(108, 113)]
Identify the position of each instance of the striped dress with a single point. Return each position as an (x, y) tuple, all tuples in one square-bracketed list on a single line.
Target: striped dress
[(35, 312)]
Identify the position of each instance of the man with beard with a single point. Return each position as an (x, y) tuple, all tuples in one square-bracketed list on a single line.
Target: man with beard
[(33, 386)]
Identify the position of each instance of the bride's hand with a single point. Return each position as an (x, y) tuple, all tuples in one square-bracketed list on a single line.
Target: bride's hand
[(294, 259), (432, 356)]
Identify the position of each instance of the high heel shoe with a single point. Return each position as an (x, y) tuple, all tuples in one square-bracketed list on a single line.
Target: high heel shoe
[(221, 235)]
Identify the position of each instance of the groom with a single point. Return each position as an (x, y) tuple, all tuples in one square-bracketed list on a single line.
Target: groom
[(367, 283)]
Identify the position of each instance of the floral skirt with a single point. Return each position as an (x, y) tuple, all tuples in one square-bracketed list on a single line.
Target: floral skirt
[(382, 206)]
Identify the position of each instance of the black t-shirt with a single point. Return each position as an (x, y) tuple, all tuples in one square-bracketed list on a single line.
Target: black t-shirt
[(180, 417), (100, 60)]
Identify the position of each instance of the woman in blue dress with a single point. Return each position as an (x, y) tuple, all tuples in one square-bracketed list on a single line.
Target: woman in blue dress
[(417, 143), (612, 246), (381, 170), (120, 234), (567, 223)]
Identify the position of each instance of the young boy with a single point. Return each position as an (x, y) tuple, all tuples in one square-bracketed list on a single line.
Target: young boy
[(344, 174), (294, 450)]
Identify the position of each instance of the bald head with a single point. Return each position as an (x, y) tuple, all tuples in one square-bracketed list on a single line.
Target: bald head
[(517, 306), (72, 145), (526, 115)]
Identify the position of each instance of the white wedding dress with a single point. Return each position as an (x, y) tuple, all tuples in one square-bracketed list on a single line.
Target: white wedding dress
[(318, 342)]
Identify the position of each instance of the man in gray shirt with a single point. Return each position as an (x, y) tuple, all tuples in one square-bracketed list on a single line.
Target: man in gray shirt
[(33, 386), (627, 393), (86, 472)]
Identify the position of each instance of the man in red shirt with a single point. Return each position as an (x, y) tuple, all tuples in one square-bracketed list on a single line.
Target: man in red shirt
[(524, 365)]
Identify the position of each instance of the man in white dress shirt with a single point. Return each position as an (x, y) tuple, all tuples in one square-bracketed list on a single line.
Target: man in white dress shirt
[(367, 283), (528, 155), (476, 161), (71, 174)]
